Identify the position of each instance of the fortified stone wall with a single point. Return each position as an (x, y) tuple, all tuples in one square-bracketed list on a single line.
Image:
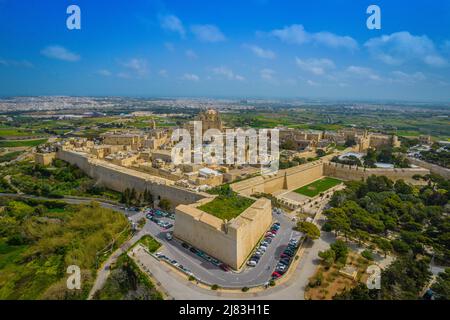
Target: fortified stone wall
[(287, 179), (119, 178), (346, 172), (230, 242), (434, 168)]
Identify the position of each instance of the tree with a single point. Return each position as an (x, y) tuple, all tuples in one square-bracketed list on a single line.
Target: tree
[(341, 251), (402, 187), (441, 287), (384, 245), (309, 229), (165, 204), (320, 153), (328, 257)]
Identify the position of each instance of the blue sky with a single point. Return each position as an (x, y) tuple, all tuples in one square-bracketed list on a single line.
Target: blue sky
[(253, 48)]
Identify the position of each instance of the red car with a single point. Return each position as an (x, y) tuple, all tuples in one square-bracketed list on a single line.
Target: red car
[(275, 275)]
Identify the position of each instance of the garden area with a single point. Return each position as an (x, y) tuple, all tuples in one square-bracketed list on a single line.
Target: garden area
[(317, 187), (227, 205)]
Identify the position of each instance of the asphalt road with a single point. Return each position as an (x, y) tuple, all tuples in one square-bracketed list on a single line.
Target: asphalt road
[(211, 274)]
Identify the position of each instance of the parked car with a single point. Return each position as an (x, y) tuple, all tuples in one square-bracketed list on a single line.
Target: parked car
[(276, 275), (251, 263), (185, 245), (284, 255), (224, 267), (169, 236), (193, 250)]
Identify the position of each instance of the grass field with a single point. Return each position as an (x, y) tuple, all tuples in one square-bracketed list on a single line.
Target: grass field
[(227, 207), (21, 143), (317, 187), (10, 156), (150, 243)]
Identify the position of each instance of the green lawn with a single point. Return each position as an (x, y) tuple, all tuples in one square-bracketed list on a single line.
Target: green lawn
[(150, 243), (227, 207), (317, 187), (21, 143)]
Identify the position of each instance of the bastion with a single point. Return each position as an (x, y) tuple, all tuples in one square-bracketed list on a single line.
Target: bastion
[(228, 241)]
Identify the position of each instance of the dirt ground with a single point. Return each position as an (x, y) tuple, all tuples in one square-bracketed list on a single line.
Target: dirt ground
[(332, 282)]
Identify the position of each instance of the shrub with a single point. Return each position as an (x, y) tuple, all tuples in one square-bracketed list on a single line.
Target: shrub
[(367, 254), (215, 287), (245, 289)]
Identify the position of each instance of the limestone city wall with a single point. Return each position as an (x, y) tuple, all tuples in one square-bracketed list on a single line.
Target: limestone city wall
[(119, 178), (434, 168), (346, 172), (289, 179)]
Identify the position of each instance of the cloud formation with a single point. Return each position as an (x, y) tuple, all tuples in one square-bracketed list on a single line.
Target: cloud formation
[(315, 66), (260, 52), (190, 77), (137, 66), (227, 73), (208, 33), (173, 24), (60, 53), (401, 47), (296, 34)]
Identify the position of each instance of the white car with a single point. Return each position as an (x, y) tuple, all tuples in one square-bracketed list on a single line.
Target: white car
[(251, 263), (169, 236)]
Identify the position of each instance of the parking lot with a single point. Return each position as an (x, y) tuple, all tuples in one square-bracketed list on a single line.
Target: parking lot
[(208, 270)]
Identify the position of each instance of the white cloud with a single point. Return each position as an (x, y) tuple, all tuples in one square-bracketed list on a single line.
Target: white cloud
[(260, 52), (363, 72), (315, 66), (191, 54), (208, 33), (296, 34), (104, 72), (407, 78), (267, 74), (401, 47), (172, 23), (228, 73), (163, 73), (138, 66), (16, 63), (60, 53), (190, 77), (312, 83)]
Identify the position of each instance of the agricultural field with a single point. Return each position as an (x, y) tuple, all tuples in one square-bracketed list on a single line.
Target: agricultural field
[(313, 189), (21, 143)]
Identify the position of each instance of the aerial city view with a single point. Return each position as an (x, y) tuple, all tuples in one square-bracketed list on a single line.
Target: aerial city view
[(279, 150)]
